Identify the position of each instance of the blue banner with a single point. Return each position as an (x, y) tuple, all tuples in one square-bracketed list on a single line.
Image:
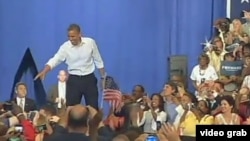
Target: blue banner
[(229, 68)]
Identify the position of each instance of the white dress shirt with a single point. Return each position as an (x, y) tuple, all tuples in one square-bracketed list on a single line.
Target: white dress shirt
[(61, 93), (81, 59), (19, 100)]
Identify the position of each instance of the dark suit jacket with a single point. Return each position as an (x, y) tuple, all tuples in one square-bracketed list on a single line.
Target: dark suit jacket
[(52, 94), (30, 105)]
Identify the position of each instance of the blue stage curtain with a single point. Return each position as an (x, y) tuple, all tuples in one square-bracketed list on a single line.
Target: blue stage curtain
[(135, 37)]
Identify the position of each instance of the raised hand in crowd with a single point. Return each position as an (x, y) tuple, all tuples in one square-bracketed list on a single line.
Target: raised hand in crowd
[(119, 108), (54, 119), (170, 132), (148, 101), (95, 120), (92, 111), (6, 114), (128, 98), (181, 90)]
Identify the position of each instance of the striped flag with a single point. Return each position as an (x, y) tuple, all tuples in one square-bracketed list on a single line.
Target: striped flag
[(235, 8), (112, 93)]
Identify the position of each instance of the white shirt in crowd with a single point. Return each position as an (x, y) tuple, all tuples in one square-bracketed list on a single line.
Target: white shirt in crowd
[(180, 112), (20, 102), (61, 93), (161, 117), (198, 75), (81, 59)]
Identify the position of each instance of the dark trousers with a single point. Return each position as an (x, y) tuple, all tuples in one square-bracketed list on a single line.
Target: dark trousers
[(78, 86)]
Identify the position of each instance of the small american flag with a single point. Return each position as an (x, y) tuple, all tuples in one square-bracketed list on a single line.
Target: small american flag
[(111, 92)]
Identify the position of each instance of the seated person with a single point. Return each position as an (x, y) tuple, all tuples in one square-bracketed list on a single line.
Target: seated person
[(22, 100)]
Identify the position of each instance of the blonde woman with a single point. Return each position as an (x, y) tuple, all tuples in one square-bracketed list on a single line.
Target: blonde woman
[(237, 34)]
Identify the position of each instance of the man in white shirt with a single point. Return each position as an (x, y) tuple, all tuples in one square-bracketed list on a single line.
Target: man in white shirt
[(57, 94), (21, 100), (82, 56)]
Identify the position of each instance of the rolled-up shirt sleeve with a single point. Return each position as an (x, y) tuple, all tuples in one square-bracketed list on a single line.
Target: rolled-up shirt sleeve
[(97, 57), (59, 57)]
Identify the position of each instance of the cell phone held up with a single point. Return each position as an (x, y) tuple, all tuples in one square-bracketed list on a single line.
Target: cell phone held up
[(31, 115), (152, 137), (19, 129), (41, 128)]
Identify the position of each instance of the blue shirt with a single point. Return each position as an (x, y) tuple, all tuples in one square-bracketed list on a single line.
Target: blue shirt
[(169, 107)]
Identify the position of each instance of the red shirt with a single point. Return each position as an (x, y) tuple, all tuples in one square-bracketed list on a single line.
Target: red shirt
[(29, 131)]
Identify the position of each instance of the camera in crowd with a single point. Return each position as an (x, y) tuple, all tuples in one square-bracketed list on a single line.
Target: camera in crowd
[(41, 128), (15, 133), (31, 115)]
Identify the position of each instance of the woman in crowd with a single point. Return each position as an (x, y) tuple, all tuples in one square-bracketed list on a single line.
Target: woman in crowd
[(238, 33), (154, 116), (242, 104), (203, 74), (188, 119), (227, 117)]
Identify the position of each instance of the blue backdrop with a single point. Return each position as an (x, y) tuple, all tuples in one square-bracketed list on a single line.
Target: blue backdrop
[(135, 37)]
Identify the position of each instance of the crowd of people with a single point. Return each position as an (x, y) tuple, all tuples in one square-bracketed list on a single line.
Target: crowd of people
[(170, 115)]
